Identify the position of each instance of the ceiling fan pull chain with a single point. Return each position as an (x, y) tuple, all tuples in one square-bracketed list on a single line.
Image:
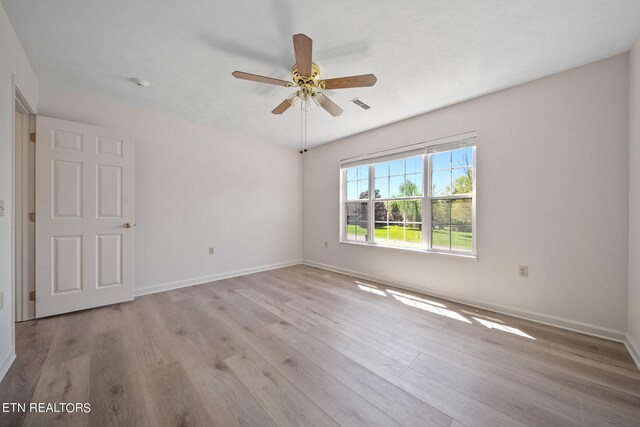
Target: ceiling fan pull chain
[(305, 130), (301, 124)]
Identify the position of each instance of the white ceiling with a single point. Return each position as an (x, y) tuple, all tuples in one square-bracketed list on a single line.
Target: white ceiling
[(426, 53)]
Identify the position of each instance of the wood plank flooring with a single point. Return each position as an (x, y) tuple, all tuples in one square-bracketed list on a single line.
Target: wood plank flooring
[(304, 346)]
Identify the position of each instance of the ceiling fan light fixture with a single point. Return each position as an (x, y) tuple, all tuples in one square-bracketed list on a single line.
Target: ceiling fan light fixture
[(318, 98), (293, 98)]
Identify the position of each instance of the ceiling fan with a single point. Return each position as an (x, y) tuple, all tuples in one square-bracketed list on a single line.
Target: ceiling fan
[(306, 77)]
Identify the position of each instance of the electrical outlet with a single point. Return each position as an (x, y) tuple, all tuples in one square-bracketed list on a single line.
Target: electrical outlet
[(523, 271), (212, 251), (326, 244)]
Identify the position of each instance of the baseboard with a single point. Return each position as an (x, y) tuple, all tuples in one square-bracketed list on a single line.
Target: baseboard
[(206, 279), (6, 362), (545, 319), (634, 350)]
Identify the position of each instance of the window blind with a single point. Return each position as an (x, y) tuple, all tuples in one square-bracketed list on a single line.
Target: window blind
[(429, 147)]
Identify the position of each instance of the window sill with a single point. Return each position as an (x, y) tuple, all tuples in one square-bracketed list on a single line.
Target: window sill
[(419, 250)]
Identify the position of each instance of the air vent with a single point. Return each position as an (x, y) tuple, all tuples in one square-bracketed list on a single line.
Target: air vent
[(360, 104)]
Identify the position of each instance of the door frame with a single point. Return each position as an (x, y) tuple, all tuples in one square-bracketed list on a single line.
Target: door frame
[(18, 102)]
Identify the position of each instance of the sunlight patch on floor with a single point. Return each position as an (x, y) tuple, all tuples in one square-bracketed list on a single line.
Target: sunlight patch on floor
[(484, 316), (493, 325), (433, 309), (437, 304), (370, 288)]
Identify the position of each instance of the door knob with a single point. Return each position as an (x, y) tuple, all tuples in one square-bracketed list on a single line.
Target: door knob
[(127, 225)]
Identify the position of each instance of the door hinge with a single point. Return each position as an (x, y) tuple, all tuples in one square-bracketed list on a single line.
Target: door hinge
[(32, 296), (32, 137), (32, 216)]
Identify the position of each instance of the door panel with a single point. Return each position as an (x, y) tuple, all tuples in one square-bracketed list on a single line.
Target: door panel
[(67, 189), (109, 260), (110, 146), (67, 264), (67, 140), (109, 191), (84, 196)]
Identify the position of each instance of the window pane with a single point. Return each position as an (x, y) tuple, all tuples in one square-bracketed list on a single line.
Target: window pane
[(382, 188), (462, 157), (451, 224), (380, 211), (461, 212), (382, 169), (363, 172), (356, 221), (441, 212), (440, 237), (441, 183), (413, 185), (352, 190), (461, 238), (389, 233), (394, 211), (441, 160), (363, 189), (462, 179), (396, 184), (403, 235), (414, 165), (381, 234), (412, 210), (352, 174), (461, 229), (397, 167), (413, 233), (398, 222), (440, 228)]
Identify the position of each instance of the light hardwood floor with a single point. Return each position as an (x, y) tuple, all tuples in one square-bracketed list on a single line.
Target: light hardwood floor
[(303, 346)]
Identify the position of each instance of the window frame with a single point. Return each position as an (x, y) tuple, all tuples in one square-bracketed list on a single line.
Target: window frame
[(430, 149)]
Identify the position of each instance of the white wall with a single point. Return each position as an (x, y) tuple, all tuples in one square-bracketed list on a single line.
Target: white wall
[(552, 194), (634, 199), (14, 67), (198, 187)]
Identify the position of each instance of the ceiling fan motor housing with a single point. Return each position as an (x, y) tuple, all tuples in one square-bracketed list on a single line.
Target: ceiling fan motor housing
[(307, 83)]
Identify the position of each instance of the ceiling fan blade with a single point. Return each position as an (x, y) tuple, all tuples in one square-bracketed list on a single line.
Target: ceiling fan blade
[(302, 46), (363, 80), (282, 107), (260, 79), (331, 107)]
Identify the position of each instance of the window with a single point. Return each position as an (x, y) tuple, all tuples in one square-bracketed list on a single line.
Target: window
[(421, 198)]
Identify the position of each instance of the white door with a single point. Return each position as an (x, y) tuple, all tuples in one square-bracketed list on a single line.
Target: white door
[(84, 216)]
